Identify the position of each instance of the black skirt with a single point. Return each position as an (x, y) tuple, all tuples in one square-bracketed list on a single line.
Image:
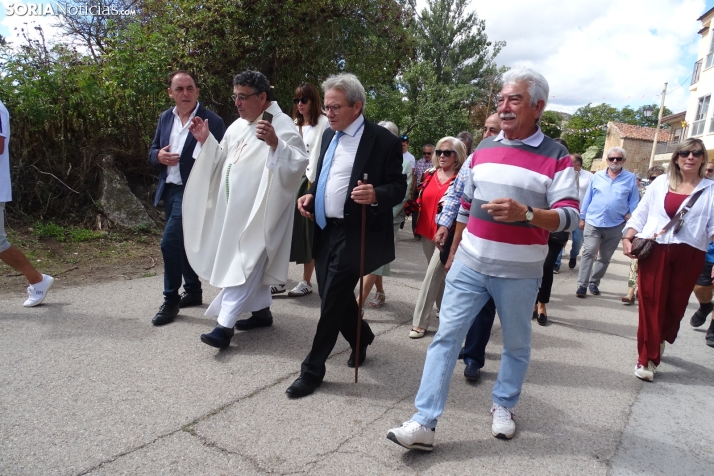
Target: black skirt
[(301, 244)]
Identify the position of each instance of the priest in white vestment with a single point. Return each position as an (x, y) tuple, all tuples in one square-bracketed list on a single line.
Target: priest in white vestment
[(238, 207)]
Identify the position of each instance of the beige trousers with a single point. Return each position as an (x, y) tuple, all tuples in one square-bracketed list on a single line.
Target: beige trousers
[(432, 290)]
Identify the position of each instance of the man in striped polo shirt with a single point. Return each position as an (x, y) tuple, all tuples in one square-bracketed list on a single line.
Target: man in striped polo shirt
[(521, 187)]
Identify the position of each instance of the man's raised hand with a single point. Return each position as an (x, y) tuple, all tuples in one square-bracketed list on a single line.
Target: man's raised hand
[(199, 129)]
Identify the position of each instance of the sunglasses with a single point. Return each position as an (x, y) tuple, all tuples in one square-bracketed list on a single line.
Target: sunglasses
[(613, 159), (683, 154), (302, 100), (446, 153), (710, 171), (404, 138)]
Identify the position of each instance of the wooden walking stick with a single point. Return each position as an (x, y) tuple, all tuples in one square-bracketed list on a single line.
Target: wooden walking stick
[(360, 313)]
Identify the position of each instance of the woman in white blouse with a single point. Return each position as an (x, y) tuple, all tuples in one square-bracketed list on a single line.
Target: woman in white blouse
[(667, 276), (311, 123)]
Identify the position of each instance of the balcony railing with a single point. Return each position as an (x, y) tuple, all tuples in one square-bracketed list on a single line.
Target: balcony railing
[(697, 70)]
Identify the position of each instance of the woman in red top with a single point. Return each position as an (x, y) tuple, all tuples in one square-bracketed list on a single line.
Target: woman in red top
[(449, 156), (434, 185)]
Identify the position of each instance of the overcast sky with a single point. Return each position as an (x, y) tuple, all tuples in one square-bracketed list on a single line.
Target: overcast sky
[(612, 51)]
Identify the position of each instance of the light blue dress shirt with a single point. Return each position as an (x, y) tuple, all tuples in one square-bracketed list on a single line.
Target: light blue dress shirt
[(608, 200)]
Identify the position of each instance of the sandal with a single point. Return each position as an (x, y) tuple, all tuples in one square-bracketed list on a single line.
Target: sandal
[(416, 334), (377, 300), (628, 299)]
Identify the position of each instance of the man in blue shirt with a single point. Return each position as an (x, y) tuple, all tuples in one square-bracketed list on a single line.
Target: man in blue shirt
[(611, 198)]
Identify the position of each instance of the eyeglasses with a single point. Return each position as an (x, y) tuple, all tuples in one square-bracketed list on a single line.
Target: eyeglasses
[(334, 109), (404, 138), (301, 100), (618, 159), (243, 97), (683, 154), (710, 171), (445, 153)]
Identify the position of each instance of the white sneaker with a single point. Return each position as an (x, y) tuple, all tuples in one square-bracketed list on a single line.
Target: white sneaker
[(645, 373), (503, 425), (412, 435), (37, 292), (302, 289), (277, 289)]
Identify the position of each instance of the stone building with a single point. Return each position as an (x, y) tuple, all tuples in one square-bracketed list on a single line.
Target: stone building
[(637, 142)]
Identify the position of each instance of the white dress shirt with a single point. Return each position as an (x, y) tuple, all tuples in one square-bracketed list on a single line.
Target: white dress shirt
[(338, 179), (177, 139), (583, 180)]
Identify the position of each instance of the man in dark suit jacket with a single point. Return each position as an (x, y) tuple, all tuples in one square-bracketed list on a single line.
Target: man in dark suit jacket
[(351, 148), (174, 150)]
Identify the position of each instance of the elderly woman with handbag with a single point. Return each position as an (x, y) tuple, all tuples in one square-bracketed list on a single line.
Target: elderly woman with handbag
[(669, 233)]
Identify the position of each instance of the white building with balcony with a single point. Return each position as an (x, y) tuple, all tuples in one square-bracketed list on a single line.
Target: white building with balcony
[(700, 110)]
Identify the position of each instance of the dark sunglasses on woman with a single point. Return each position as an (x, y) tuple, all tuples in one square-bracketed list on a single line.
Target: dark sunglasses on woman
[(447, 153), (302, 100), (683, 154)]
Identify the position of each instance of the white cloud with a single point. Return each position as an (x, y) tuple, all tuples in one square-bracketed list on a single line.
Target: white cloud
[(12, 26), (612, 51)]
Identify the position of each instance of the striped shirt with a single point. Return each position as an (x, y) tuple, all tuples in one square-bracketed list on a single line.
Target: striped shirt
[(535, 171)]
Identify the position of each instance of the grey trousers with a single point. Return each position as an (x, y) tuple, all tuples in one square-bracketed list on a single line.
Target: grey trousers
[(432, 289), (601, 242)]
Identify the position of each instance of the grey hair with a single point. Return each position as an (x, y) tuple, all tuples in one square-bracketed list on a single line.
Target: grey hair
[(459, 148), (467, 139), (349, 84), (537, 85), (617, 149), (390, 126)]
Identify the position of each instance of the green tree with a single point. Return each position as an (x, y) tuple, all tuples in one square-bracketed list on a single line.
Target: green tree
[(551, 123), (588, 126)]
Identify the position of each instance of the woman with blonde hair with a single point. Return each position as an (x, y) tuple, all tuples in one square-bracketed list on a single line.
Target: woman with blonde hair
[(449, 156), (676, 215)]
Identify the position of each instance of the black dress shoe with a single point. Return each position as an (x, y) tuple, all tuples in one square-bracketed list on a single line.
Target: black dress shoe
[(542, 319), (362, 356), (219, 337), (302, 387), (262, 318), (472, 372), (167, 313), (188, 300)]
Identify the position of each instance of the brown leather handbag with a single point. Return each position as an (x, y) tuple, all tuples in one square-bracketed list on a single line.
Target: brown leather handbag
[(642, 247)]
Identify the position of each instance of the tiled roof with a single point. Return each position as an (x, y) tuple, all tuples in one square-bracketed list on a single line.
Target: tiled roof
[(628, 131), (674, 116)]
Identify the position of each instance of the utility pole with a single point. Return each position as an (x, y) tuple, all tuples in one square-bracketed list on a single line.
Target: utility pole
[(659, 121)]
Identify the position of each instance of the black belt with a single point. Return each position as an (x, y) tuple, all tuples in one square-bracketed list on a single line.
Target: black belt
[(336, 221)]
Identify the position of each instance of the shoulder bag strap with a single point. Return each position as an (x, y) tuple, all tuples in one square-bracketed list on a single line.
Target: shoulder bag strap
[(680, 216)]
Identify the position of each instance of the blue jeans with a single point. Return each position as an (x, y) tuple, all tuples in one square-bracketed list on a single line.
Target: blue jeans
[(466, 292), (575, 249), (175, 261), (479, 334)]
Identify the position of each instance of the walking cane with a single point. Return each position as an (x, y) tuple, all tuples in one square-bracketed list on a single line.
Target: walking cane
[(361, 284)]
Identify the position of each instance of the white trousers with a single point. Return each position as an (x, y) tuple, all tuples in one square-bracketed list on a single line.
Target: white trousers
[(250, 296)]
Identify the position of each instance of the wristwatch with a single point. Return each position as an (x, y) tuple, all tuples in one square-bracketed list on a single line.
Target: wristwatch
[(529, 215)]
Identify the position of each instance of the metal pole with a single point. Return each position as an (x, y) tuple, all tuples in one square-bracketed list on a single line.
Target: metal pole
[(659, 121)]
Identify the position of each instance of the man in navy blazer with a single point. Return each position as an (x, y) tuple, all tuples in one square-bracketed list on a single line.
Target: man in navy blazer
[(174, 150), (351, 147)]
